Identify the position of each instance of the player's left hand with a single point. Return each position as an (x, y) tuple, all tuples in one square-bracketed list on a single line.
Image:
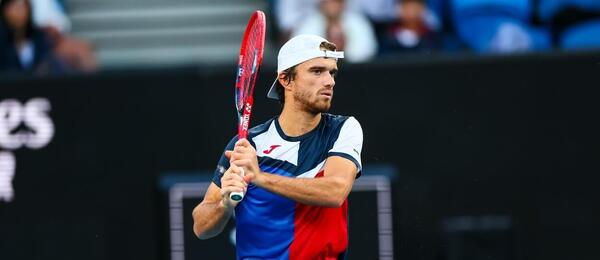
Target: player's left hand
[(244, 155)]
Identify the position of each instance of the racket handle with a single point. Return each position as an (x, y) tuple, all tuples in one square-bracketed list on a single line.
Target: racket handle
[(237, 195)]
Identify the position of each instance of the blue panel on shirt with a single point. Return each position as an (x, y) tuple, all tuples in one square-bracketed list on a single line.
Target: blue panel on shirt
[(264, 223)]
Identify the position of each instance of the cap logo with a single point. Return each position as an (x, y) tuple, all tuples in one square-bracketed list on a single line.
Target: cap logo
[(334, 54)]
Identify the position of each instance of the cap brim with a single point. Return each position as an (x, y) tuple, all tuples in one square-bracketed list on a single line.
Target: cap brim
[(272, 94)]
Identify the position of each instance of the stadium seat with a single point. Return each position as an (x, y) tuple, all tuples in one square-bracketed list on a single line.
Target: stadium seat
[(518, 9), (584, 35), (549, 8), (498, 25)]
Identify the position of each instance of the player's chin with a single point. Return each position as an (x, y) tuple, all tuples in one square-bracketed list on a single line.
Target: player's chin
[(322, 106)]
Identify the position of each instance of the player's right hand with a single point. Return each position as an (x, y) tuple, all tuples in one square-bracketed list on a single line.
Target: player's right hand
[(231, 181)]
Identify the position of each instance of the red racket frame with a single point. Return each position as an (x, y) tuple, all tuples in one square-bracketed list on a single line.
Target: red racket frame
[(250, 59)]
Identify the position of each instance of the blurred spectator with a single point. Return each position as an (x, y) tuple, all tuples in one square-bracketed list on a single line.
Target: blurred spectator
[(379, 12), (350, 31), (575, 23), (498, 26), (23, 47), (47, 48), (75, 54), (375, 10), (50, 13), (290, 13), (414, 30)]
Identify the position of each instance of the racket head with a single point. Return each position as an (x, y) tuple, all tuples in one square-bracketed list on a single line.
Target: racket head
[(250, 59)]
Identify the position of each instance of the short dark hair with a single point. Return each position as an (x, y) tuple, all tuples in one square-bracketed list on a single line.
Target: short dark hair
[(290, 73)]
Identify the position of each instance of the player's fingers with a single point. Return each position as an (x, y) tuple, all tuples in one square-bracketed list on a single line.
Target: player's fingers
[(228, 154), (247, 166), (239, 184), (243, 142), (240, 149), (241, 162), (243, 149), (236, 156), (241, 153), (225, 191), (237, 172), (248, 178), (249, 149), (244, 163), (233, 180), (228, 176), (234, 168)]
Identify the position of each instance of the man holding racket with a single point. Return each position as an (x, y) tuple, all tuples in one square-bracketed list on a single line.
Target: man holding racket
[(298, 168)]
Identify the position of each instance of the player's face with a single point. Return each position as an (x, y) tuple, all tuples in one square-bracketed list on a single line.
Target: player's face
[(17, 14), (313, 84)]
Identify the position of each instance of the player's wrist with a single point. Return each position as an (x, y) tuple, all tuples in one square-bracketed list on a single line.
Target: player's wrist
[(260, 178), (226, 204)]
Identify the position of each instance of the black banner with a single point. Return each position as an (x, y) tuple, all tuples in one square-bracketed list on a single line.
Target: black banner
[(508, 140)]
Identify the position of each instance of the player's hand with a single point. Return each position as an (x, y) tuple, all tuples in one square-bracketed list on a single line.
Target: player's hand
[(231, 181), (244, 155)]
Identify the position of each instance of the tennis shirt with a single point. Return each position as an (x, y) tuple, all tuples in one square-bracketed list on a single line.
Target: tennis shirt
[(270, 226)]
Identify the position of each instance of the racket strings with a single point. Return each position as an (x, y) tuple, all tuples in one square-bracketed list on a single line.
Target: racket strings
[(249, 66)]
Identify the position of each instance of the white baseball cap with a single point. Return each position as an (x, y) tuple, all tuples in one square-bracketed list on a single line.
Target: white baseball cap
[(297, 50)]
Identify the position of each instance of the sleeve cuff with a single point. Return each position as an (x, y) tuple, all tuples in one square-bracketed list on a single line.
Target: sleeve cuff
[(349, 157)]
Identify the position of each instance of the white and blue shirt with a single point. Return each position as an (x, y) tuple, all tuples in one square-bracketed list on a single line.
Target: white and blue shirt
[(270, 226)]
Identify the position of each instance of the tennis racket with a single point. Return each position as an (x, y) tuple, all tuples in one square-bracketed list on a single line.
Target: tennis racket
[(251, 54)]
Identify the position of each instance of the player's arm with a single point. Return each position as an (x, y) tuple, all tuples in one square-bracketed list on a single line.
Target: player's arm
[(212, 214), (330, 190)]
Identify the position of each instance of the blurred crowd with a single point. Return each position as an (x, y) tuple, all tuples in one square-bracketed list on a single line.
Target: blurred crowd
[(34, 38), (35, 34), (366, 29)]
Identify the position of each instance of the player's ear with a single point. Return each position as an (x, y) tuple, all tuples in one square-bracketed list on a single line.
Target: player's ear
[(285, 83)]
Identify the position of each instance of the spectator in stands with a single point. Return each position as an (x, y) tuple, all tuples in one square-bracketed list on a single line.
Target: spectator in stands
[(28, 47), (350, 31), (414, 30), (75, 54), (50, 13), (23, 47), (379, 12), (289, 14)]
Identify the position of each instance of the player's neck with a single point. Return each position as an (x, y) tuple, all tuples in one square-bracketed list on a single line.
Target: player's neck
[(297, 122)]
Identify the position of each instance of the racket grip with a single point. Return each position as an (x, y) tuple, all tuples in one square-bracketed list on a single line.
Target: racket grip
[(237, 195)]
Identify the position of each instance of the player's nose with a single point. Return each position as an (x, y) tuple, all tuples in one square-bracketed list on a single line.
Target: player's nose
[(329, 81)]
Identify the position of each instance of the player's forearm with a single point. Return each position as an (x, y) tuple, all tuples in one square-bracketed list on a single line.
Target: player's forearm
[(210, 219), (324, 191)]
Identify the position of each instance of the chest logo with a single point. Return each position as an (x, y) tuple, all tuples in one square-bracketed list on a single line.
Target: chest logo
[(268, 151)]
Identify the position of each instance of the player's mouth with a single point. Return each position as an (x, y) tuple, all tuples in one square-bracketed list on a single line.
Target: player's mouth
[(327, 93)]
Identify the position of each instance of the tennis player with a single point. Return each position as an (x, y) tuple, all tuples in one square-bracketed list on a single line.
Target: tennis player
[(298, 167)]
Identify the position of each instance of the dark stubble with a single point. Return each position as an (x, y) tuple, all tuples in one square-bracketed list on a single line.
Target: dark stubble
[(311, 103)]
